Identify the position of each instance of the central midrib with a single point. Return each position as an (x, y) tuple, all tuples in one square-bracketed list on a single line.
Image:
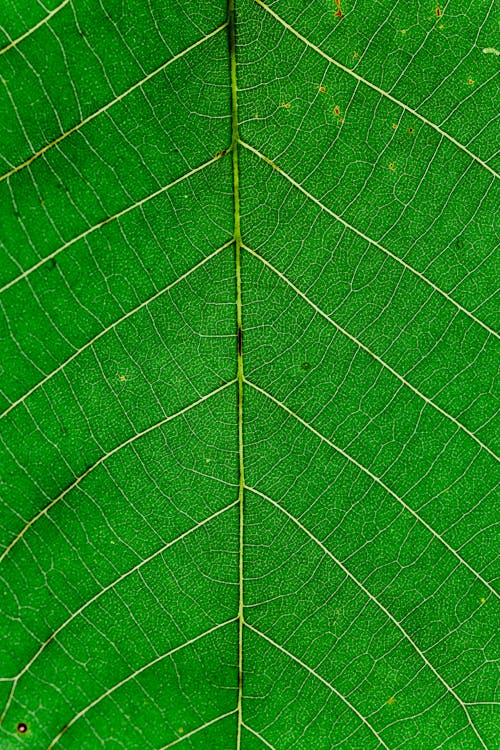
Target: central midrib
[(239, 334)]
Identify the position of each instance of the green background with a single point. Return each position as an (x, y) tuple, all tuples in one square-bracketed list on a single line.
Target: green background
[(368, 196)]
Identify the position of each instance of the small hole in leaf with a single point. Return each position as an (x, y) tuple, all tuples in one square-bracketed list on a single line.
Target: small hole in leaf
[(22, 728)]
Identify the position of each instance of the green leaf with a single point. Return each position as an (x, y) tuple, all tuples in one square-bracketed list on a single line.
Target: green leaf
[(248, 356)]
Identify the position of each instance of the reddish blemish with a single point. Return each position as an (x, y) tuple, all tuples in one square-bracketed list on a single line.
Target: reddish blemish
[(336, 111), (438, 12), (322, 89), (338, 12)]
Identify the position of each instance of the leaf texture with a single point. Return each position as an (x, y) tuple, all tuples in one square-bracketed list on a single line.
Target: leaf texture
[(249, 343)]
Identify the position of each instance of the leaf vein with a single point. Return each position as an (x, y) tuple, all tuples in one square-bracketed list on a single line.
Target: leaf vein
[(379, 482), (368, 239), (109, 104), (373, 86), (105, 457)]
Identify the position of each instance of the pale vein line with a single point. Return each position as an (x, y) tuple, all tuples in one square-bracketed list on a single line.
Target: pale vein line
[(112, 326), (305, 666), (380, 91), (198, 729), (372, 354), (30, 31), (373, 599), (132, 676), (109, 219), (109, 587), (111, 103), (117, 581), (378, 481), (366, 238), (259, 736), (105, 457)]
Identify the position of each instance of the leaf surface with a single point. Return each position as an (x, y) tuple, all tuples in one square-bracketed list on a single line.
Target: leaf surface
[(248, 400)]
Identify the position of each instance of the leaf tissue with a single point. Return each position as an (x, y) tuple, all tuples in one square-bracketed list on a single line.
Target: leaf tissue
[(248, 347)]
